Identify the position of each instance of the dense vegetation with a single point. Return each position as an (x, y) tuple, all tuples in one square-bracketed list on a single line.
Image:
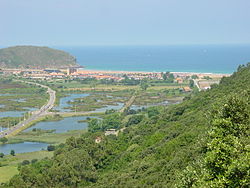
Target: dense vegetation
[(202, 142), (34, 57)]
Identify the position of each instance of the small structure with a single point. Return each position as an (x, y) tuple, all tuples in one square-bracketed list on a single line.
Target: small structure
[(179, 80), (187, 89), (98, 139), (206, 88), (71, 70), (111, 132)]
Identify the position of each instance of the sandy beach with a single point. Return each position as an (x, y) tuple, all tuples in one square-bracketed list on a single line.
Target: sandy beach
[(212, 75)]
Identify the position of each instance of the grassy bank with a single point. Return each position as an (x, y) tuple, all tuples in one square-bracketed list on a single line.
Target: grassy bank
[(52, 138), (9, 163)]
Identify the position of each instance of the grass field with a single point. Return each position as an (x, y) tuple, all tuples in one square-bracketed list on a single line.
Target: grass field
[(10, 163), (52, 138), (6, 172)]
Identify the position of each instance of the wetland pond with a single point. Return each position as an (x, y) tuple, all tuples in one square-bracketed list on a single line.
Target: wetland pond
[(23, 147), (16, 113), (64, 104), (62, 126), (64, 101), (118, 106)]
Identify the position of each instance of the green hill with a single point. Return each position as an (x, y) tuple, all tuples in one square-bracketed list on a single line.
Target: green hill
[(202, 142), (34, 57)]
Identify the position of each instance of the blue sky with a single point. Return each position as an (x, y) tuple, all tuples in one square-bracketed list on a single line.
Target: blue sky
[(123, 22)]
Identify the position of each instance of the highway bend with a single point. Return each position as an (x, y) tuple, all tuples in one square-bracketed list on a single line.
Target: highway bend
[(44, 110)]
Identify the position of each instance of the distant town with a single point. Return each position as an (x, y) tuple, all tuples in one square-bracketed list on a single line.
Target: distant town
[(203, 80)]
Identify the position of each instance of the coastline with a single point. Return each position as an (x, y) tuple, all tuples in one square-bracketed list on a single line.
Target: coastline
[(155, 72)]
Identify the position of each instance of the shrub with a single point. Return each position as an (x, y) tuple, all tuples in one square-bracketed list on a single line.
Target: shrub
[(51, 148)]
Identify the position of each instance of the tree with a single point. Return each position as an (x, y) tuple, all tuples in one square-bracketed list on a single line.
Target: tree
[(25, 162), (3, 140), (164, 76), (226, 161), (207, 77), (225, 156), (191, 83), (135, 119), (152, 112), (94, 125), (51, 148), (33, 161), (144, 85), (194, 76), (12, 152), (1, 155)]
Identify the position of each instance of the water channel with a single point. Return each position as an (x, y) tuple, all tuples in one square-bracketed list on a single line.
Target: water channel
[(62, 126), (23, 147), (64, 105), (16, 113)]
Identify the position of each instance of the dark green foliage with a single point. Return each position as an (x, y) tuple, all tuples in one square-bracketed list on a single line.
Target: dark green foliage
[(3, 140), (94, 125), (227, 151), (168, 77), (152, 112), (168, 147), (191, 83), (110, 121), (225, 161), (207, 77), (51, 148), (130, 81), (135, 119), (34, 161), (25, 162), (12, 152), (194, 76), (1, 155), (144, 86)]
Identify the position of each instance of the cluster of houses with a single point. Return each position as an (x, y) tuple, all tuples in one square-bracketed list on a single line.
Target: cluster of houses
[(79, 72)]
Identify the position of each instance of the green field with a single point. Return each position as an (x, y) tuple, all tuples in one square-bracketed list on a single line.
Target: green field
[(9, 164), (52, 138)]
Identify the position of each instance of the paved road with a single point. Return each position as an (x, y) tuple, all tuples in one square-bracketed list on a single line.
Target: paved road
[(197, 84), (44, 110), (128, 104)]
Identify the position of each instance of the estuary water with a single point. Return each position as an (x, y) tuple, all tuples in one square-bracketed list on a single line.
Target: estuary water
[(64, 125), (16, 113), (64, 104), (23, 147), (188, 58), (67, 124)]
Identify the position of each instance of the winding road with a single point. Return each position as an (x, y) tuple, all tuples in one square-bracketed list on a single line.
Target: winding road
[(44, 110)]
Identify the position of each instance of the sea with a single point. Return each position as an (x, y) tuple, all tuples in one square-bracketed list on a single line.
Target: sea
[(182, 58)]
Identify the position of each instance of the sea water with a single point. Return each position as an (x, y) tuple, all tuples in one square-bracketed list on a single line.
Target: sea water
[(196, 58)]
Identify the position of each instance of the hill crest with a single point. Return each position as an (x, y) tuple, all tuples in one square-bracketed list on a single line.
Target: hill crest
[(35, 57)]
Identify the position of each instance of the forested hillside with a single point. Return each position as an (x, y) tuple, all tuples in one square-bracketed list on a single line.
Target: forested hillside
[(202, 142), (34, 57)]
